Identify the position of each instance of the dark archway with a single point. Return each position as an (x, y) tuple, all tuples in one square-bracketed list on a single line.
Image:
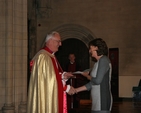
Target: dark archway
[(74, 36), (77, 47)]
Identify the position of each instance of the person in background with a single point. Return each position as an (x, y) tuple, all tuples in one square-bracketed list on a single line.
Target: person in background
[(47, 87), (100, 77), (73, 66)]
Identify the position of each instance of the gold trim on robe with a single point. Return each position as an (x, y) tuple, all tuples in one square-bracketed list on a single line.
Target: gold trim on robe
[(43, 90)]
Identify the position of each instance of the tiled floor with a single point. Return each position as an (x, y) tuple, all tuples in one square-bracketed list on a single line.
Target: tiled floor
[(118, 107)]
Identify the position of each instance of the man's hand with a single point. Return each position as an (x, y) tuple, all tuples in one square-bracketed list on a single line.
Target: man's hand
[(72, 91), (67, 75)]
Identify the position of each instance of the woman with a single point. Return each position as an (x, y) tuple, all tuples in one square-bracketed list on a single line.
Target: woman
[(100, 77)]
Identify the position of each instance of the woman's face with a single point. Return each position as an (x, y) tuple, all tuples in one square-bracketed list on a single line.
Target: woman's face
[(93, 51)]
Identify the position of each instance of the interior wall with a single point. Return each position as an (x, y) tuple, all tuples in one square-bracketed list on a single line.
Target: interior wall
[(126, 83), (117, 22)]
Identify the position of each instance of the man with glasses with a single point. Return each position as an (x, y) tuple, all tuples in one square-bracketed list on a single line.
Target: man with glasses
[(47, 87)]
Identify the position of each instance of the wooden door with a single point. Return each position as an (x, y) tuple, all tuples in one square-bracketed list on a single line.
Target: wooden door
[(114, 57)]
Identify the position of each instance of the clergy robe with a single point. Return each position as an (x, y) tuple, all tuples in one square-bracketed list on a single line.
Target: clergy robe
[(46, 91)]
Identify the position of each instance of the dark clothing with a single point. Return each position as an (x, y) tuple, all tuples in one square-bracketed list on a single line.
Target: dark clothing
[(72, 67), (72, 100)]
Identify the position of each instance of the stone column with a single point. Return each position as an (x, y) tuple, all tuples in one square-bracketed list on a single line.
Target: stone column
[(9, 105), (20, 55), (22, 106)]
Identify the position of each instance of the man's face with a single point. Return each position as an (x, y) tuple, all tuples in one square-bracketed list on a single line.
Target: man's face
[(72, 57), (55, 42)]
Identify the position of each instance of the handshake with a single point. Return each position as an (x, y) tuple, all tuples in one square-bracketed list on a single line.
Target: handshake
[(72, 91)]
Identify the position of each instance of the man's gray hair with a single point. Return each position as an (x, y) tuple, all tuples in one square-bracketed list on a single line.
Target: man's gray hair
[(51, 35)]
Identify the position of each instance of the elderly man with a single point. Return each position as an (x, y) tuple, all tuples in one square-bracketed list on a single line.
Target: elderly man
[(47, 87)]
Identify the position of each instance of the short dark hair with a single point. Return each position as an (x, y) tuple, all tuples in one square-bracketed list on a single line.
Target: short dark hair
[(101, 45)]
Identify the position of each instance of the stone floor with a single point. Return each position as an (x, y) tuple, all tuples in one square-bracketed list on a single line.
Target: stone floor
[(118, 107)]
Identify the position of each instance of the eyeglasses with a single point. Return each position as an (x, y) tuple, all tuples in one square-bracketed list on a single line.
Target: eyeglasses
[(59, 41)]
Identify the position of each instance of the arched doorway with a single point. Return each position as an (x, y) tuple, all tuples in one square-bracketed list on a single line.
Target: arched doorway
[(75, 38), (77, 47), (72, 35)]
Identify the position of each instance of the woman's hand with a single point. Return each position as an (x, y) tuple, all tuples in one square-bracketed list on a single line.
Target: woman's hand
[(79, 89), (86, 74)]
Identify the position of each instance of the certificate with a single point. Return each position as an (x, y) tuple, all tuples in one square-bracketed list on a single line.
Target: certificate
[(77, 72)]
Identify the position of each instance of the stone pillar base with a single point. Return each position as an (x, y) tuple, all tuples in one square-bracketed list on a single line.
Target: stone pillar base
[(8, 109), (22, 107)]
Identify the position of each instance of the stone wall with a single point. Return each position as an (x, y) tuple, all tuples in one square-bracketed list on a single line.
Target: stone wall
[(13, 56)]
